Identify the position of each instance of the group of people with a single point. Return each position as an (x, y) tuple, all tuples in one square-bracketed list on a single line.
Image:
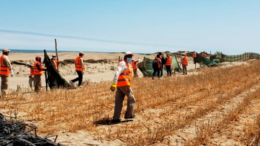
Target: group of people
[(36, 71), (160, 61)]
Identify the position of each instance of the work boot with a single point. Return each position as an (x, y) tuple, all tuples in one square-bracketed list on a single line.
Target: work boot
[(115, 121), (130, 117)]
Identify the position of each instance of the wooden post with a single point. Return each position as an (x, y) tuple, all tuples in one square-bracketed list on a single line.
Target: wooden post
[(56, 49)]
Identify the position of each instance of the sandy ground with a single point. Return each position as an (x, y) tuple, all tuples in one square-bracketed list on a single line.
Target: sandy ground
[(97, 72), (62, 56), (24, 81)]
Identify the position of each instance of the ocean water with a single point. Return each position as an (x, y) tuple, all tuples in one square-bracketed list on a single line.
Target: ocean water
[(59, 51), (35, 51)]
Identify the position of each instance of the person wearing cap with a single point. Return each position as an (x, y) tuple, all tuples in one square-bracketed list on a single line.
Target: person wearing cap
[(168, 64), (55, 61), (37, 73), (5, 71), (194, 55), (184, 63), (203, 54), (162, 63), (31, 80), (156, 66), (122, 82), (80, 68)]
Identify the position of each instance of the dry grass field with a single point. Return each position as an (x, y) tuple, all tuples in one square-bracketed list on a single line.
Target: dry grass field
[(217, 106)]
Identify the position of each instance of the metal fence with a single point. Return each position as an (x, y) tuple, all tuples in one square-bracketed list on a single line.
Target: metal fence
[(238, 58)]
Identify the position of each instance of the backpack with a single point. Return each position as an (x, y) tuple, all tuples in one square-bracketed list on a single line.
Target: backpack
[(155, 63)]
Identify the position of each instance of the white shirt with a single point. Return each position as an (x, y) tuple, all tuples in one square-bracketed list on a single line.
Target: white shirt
[(121, 67)]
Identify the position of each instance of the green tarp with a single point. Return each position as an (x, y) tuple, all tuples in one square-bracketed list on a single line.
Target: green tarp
[(204, 60)]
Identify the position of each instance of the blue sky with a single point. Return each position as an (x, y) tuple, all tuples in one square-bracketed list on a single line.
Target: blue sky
[(145, 26)]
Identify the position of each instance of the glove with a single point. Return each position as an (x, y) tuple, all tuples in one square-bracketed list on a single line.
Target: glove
[(12, 73), (113, 87)]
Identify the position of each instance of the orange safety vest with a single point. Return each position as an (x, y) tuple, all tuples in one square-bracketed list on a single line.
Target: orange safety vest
[(194, 55), (134, 65), (78, 64), (168, 61), (55, 63), (4, 70), (36, 71), (124, 78), (203, 54), (158, 62), (185, 61)]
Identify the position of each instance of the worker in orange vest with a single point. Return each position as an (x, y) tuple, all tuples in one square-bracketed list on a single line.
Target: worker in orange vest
[(31, 74), (194, 55), (135, 67), (203, 54), (80, 68), (184, 63), (168, 65), (122, 82), (5, 71), (163, 61), (37, 73), (157, 63), (55, 61)]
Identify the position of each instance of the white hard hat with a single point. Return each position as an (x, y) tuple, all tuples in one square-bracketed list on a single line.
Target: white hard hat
[(128, 53), (5, 50)]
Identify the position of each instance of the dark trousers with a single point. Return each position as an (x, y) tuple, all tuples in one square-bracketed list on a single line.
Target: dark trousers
[(161, 72), (156, 70), (169, 71), (184, 67), (79, 78)]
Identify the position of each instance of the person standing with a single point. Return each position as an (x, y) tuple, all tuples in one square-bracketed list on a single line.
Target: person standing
[(55, 61), (37, 73), (184, 63), (5, 71), (135, 67), (203, 54), (162, 63), (80, 68), (156, 66), (194, 55), (168, 65), (31, 80), (122, 82)]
